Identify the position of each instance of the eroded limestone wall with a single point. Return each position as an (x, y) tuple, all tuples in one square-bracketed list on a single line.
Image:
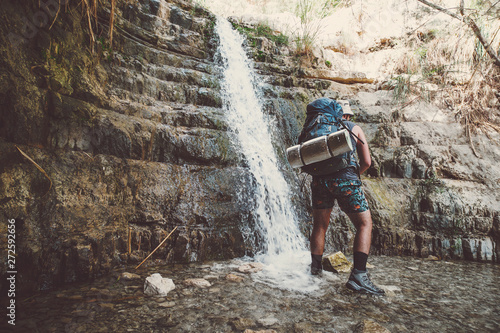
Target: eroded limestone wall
[(133, 139)]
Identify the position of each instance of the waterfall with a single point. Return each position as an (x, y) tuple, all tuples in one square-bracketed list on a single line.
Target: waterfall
[(281, 244)]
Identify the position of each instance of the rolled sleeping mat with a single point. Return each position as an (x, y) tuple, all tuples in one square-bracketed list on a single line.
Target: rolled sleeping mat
[(319, 149)]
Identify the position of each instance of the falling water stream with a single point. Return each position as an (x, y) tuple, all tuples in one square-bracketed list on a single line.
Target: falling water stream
[(283, 247)]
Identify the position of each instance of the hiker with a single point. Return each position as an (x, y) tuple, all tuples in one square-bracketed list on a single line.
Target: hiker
[(345, 186)]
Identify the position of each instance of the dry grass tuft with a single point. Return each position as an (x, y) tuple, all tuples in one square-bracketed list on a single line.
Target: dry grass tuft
[(474, 103), (468, 81)]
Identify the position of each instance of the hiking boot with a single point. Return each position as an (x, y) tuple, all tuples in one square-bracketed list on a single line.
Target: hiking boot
[(316, 270), (360, 281)]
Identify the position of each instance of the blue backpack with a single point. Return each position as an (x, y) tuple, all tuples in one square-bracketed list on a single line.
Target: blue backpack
[(324, 116)]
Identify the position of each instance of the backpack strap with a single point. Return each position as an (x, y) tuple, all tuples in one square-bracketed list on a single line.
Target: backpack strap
[(340, 121)]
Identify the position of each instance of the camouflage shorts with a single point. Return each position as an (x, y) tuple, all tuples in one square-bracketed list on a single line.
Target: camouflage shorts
[(348, 193)]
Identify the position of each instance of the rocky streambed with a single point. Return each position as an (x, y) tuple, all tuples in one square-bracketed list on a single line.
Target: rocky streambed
[(423, 295)]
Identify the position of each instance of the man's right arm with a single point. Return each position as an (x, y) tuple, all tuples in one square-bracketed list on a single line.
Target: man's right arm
[(364, 157)]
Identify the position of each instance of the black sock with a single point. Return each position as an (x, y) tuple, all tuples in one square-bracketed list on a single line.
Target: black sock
[(316, 260), (360, 260)]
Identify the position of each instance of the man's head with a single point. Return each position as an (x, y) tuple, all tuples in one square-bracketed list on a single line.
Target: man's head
[(347, 109)]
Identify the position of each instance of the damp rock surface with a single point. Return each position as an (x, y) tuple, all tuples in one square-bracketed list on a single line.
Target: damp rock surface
[(423, 296)]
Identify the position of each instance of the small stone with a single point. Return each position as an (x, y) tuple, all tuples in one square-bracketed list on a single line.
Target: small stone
[(337, 263), (132, 287), (129, 276), (157, 285), (432, 258), (167, 304), (186, 292), (166, 321), (269, 321), (370, 326), (211, 277), (199, 283), (412, 268), (303, 328), (80, 313), (242, 323), (234, 278), (110, 306), (259, 331), (252, 267), (390, 290), (75, 297)]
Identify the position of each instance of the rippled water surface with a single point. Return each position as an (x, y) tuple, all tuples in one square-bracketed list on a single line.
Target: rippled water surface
[(422, 296)]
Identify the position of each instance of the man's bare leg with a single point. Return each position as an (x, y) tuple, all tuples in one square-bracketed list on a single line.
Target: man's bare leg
[(321, 220), (363, 223)]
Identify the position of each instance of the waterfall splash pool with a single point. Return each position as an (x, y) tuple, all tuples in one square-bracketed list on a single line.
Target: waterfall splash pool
[(422, 296)]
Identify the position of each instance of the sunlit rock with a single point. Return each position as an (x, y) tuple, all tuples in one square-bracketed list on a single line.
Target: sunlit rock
[(336, 263), (234, 278), (157, 285), (268, 321), (129, 276), (252, 267), (199, 283)]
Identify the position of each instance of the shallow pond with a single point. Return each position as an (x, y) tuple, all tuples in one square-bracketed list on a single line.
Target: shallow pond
[(422, 296)]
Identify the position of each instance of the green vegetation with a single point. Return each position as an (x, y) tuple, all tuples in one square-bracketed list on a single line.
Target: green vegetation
[(104, 49), (407, 88), (262, 30)]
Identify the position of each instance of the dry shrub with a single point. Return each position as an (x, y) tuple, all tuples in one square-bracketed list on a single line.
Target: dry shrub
[(468, 80), (477, 103)]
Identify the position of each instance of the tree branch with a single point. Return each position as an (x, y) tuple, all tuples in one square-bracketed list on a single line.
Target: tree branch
[(470, 22)]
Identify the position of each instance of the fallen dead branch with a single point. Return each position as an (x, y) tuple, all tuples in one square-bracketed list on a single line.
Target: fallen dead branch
[(37, 166), (156, 248)]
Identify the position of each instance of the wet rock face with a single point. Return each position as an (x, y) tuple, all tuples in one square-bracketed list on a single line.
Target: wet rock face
[(133, 139)]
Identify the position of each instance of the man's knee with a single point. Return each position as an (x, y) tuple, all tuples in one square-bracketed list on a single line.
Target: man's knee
[(361, 220)]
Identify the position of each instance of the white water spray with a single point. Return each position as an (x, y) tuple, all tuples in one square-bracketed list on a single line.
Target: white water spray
[(284, 248)]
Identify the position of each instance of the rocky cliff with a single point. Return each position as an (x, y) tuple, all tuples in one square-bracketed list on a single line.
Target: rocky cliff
[(132, 141)]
